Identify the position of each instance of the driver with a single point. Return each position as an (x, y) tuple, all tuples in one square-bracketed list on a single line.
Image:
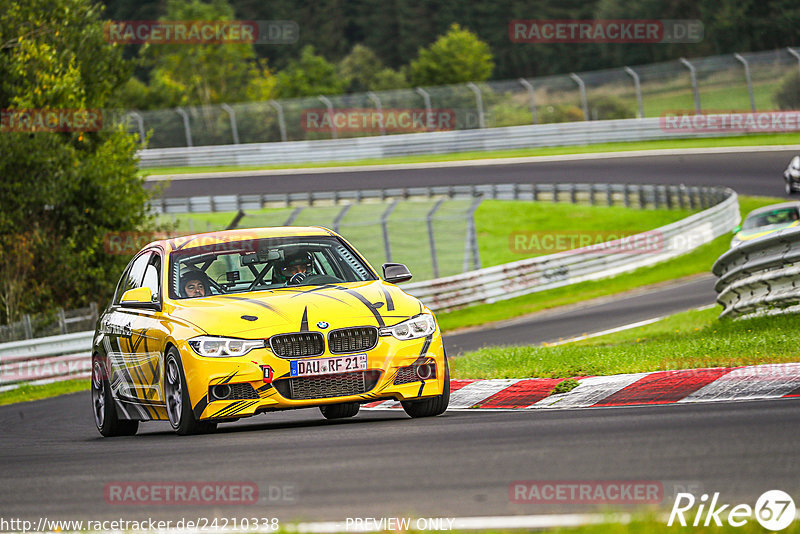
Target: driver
[(296, 267), (193, 284)]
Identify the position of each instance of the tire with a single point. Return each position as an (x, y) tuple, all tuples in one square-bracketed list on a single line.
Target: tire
[(105, 413), (433, 406), (179, 406), (340, 411), (788, 188)]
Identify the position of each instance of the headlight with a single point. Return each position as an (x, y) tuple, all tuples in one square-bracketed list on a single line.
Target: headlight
[(420, 326), (224, 347)]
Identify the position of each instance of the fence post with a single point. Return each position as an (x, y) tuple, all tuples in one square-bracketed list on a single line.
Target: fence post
[(428, 111), (431, 241), (27, 327), (693, 76), (638, 87), (377, 101), (749, 80), (234, 129), (478, 104), (140, 122), (471, 241), (584, 101), (340, 216), (293, 216), (385, 227), (627, 196), (62, 321), (329, 105), (186, 128), (281, 122), (795, 54), (531, 98)]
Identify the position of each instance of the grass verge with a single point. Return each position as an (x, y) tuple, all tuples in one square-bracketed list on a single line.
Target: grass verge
[(733, 141), (688, 340), (43, 391), (698, 261)]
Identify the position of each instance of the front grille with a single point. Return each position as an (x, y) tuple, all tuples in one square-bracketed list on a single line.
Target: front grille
[(298, 345), (357, 339), (326, 386)]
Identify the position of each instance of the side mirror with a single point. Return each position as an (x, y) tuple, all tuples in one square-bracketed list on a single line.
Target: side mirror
[(394, 273), (737, 229), (140, 297)]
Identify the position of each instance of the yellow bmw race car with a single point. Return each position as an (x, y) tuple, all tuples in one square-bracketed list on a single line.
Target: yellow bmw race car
[(214, 327)]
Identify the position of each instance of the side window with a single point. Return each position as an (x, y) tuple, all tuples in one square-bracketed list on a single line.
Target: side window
[(133, 279), (152, 277)]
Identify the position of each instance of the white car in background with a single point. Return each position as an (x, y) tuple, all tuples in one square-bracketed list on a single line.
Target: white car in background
[(791, 176)]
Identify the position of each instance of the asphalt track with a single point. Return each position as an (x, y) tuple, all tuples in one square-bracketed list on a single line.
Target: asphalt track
[(748, 173), (379, 464), (55, 465)]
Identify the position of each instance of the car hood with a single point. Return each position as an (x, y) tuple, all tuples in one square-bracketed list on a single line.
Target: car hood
[(315, 308)]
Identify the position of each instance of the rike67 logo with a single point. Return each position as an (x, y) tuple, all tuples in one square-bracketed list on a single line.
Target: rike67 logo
[(774, 510)]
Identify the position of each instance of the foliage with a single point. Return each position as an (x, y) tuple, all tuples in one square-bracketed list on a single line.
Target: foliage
[(456, 57), (604, 107), (788, 95), (62, 191), (560, 113), (311, 75)]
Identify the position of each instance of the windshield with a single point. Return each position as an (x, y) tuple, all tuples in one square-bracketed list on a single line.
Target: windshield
[(779, 216), (259, 264)]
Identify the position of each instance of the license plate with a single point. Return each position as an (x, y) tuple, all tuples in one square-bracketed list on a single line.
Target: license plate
[(326, 366)]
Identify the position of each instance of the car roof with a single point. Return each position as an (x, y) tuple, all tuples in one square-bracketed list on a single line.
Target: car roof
[(773, 207), (241, 234)]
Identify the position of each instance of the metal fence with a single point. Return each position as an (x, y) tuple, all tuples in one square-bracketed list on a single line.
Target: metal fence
[(761, 275), (738, 82), (58, 322)]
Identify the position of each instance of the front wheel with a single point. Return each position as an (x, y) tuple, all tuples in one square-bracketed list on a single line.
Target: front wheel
[(179, 407), (340, 411), (433, 406), (105, 414)]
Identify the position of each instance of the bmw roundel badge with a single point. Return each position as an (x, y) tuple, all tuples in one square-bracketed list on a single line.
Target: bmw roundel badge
[(322, 324)]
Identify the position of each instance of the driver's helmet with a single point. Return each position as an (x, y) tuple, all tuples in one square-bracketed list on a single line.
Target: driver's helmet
[(294, 263)]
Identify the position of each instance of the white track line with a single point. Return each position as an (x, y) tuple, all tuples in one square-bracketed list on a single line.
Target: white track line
[(474, 162)]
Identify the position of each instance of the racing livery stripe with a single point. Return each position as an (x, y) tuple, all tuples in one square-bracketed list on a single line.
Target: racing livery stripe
[(304, 321), (389, 301), (200, 407), (365, 302)]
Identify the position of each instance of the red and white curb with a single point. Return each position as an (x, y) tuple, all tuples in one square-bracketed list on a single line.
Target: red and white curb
[(770, 381)]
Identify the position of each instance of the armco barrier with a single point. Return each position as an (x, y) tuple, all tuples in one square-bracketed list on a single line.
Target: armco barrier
[(60, 357), (385, 146), (760, 275)]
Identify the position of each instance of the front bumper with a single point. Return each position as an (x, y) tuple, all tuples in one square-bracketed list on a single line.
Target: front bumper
[(253, 395)]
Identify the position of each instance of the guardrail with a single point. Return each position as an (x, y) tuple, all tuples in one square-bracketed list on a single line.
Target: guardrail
[(377, 147), (760, 275), (46, 359), (61, 357)]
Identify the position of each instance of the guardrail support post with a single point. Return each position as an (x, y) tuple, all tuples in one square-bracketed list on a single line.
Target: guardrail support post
[(428, 110), (281, 122), (140, 122), (627, 196), (743, 61), (638, 88), (531, 99), (232, 115), (431, 240), (582, 87), (329, 105), (387, 247), (186, 128), (377, 101), (478, 104), (693, 76)]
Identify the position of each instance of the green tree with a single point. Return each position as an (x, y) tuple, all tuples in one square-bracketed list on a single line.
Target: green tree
[(456, 57), (310, 75), (62, 191), (363, 71)]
